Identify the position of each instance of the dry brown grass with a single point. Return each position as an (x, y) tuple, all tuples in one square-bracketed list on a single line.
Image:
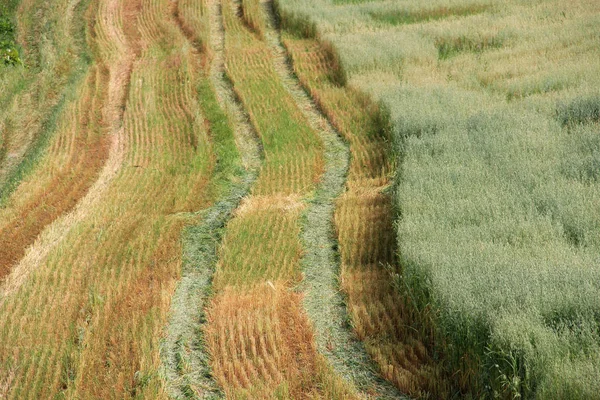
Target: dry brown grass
[(251, 14), (8, 374), (263, 347), (86, 319), (381, 316), (83, 147), (146, 297), (259, 337), (191, 16)]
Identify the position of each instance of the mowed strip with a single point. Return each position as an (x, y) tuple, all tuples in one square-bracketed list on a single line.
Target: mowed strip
[(381, 317), (74, 131), (260, 341), (76, 156), (87, 321), (293, 152), (186, 370), (35, 96)]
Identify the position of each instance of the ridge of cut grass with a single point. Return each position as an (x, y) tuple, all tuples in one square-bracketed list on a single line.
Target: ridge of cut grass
[(260, 340), (395, 336), (185, 361), (321, 263), (61, 88), (85, 143), (87, 320)]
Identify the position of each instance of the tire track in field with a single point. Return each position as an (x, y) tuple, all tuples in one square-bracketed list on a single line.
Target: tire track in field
[(323, 300), (184, 357), (113, 111)]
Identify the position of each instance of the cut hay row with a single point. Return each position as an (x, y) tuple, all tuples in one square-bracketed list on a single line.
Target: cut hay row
[(324, 302), (293, 161), (364, 223), (260, 340), (17, 354), (265, 347), (37, 95), (74, 159), (184, 358), (87, 319), (73, 162)]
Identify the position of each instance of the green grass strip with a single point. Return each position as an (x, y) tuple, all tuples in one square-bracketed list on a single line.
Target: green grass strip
[(9, 52), (321, 262), (185, 360), (48, 127)]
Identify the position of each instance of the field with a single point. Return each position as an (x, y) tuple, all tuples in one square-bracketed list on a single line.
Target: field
[(495, 112), (285, 199)]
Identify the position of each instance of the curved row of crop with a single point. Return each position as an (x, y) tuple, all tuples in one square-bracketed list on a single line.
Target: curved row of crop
[(381, 316), (77, 151), (259, 339), (86, 319), (9, 52), (37, 94), (98, 115), (186, 365), (70, 167), (324, 301)]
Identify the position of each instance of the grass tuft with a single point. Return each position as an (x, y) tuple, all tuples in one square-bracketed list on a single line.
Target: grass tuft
[(405, 17), (449, 47), (582, 110)]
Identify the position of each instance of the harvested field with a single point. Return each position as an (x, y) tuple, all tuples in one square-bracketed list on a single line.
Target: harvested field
[(299, 199)]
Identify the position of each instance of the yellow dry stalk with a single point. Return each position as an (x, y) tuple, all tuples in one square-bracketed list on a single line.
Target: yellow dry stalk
[(262, 347), (253, 16), (87, 320), (364, 222), (261, 244), (259, 338), (354, 115), (293, 152), (75, 157), (194, 18)]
